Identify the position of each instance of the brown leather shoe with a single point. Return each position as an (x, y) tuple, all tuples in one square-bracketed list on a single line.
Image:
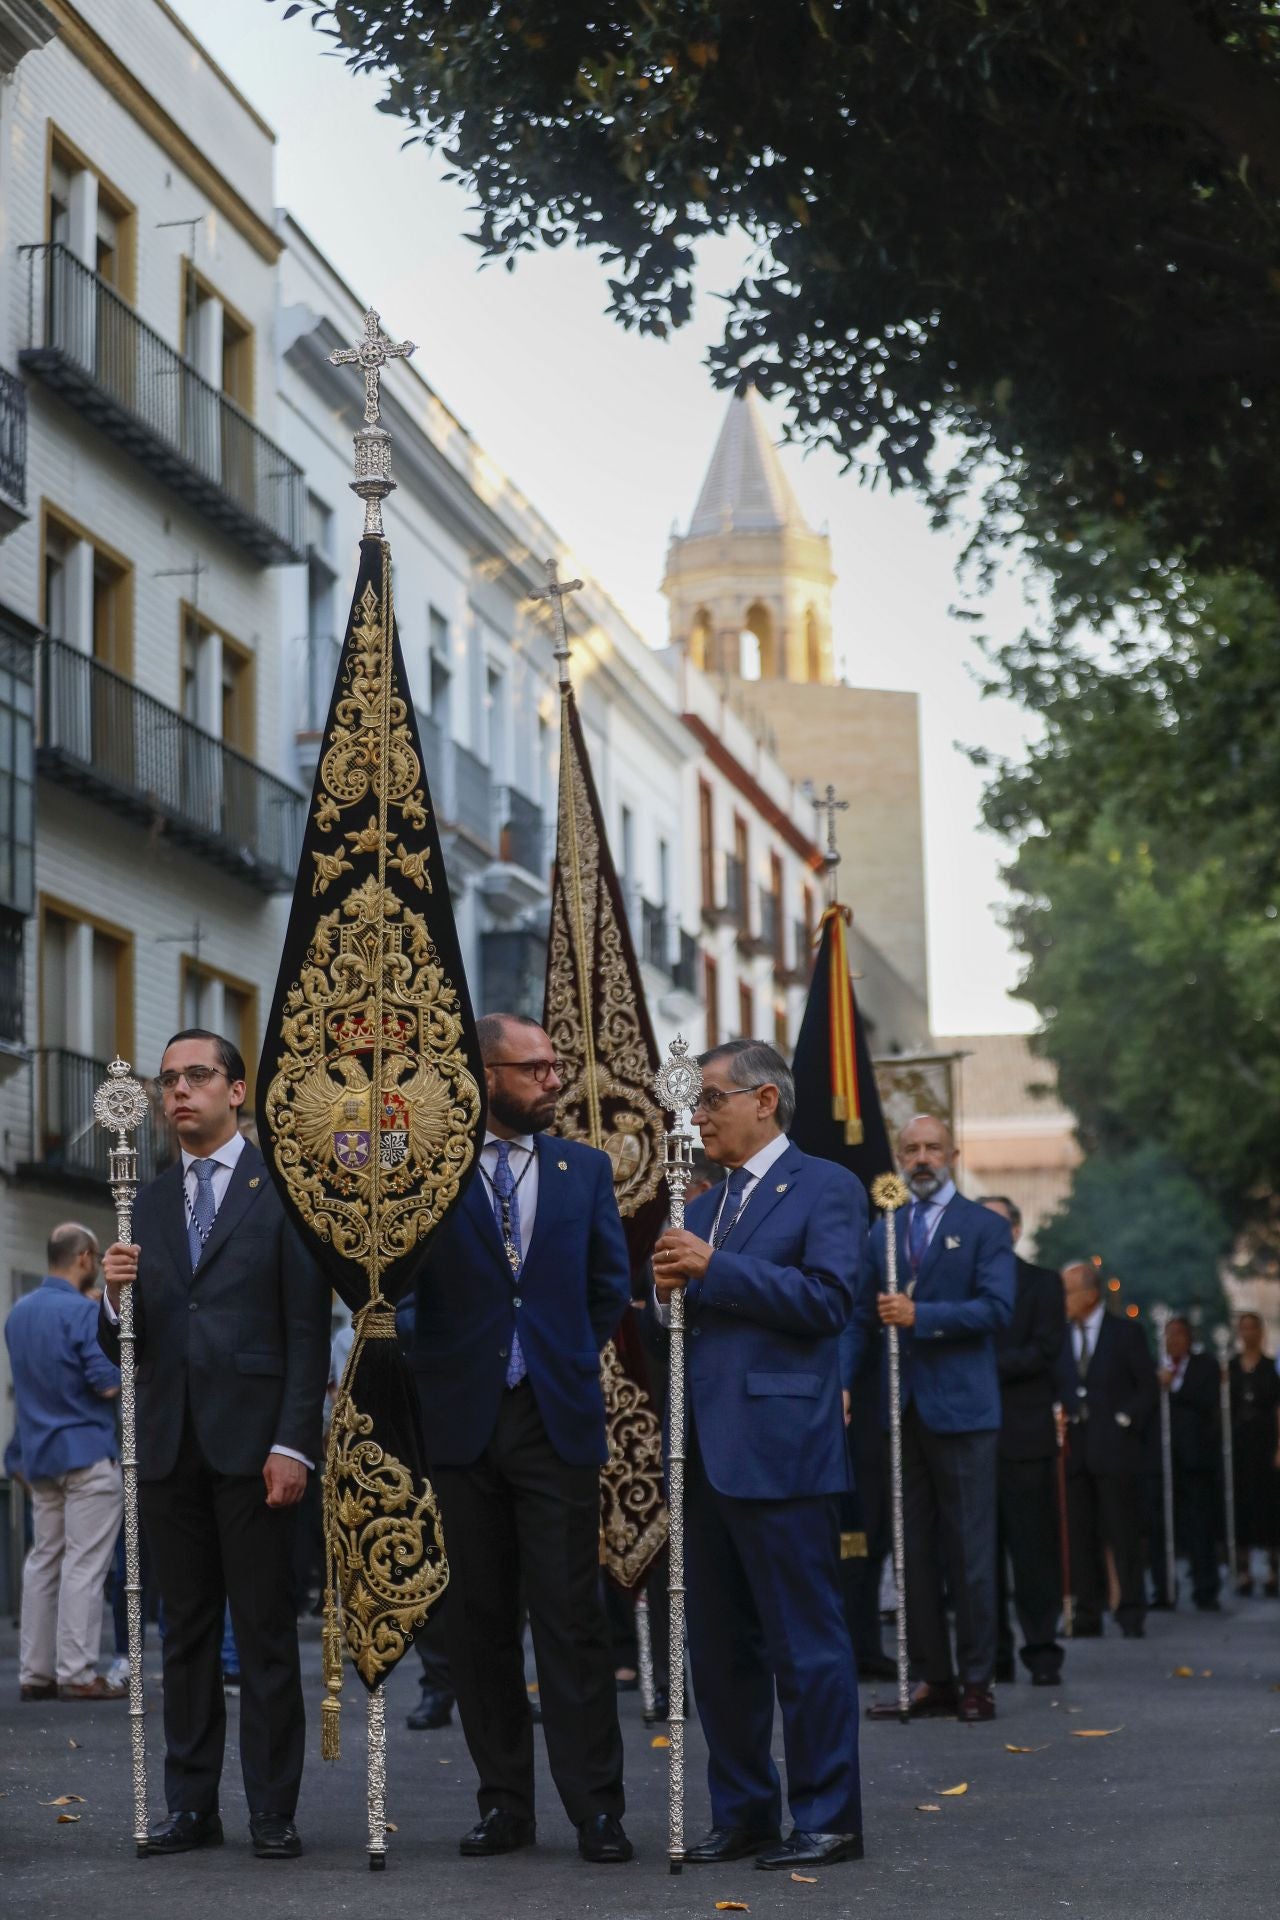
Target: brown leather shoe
[(977, 1703), (40, 1690), (99, 1688), (928, 1702)]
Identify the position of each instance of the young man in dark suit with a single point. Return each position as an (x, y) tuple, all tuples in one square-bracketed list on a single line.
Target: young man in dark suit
[(232, 1323), (1107, 1383), (1194, 1385), (515, 1300), (955, 1271), (1028, 1541), (768, 1261)]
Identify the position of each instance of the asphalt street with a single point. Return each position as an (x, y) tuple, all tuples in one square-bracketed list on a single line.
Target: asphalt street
[(1172, 1813)]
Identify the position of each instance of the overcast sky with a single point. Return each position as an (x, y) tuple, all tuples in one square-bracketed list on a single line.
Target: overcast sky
[(610, 436)]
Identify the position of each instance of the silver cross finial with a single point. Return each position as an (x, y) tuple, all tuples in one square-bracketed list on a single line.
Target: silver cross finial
[(555, 591), (372, 354), (831, 807)]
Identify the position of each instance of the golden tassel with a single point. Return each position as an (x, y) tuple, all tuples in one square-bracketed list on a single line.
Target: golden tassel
[(331, 1667)]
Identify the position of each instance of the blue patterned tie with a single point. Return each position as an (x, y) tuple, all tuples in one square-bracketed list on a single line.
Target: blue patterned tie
[(506, 1213), (918, 1233), (204, 1210), (735, 1187)]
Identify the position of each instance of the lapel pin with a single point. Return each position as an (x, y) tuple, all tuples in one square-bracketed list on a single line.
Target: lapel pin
[(953, 1241), (781, 1187), (563, 1165), (256, 1180)]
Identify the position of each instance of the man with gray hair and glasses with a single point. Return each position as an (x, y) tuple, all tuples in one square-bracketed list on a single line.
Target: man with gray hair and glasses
[(768, 1262)]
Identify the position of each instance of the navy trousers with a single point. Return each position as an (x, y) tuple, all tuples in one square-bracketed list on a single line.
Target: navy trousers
[(949, 1519), (764, 1610)]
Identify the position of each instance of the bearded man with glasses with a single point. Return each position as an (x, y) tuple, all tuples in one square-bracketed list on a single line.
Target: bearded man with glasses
[(768, 1262), (517, 1296), (231, 1318)]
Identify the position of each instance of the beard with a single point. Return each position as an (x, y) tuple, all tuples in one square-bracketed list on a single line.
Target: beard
[(925, 1182), (534, 1117)]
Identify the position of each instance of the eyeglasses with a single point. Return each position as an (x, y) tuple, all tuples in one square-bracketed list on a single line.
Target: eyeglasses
[(711, 1099), (194, 1076), (537, 1069)]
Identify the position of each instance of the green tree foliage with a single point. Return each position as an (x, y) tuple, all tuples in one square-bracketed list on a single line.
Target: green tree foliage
[(1046, 229), (1154, 1228)]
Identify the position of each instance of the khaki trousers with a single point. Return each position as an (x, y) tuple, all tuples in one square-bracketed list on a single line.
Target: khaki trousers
[(77, 1518)]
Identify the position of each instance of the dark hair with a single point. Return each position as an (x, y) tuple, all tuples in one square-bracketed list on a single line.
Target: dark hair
[(230, 1058), (756, 1063), (491, 1027), (1002, 1200), (1179, 1320), (67, 1243)]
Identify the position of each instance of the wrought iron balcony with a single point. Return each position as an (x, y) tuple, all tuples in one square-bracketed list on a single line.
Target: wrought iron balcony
[(91, 347), (521, 834), (513, 970), (735, 875), (13, 451), (685, 972), (100, 734), (471, 802), (771, 926), (12, 927), (67, 1144), (655, 944)]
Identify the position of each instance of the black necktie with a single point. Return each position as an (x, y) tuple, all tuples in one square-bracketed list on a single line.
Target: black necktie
[(731, 1207)]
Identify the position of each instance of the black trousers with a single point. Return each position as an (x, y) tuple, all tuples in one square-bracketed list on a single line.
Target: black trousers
[(1195, 1529), (1029, 1549), (949, 1519), (433, 1652), (522, 1525), (213, 1539), (1105, 1510)]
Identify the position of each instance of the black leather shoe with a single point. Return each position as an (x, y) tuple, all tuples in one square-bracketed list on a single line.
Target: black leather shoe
[(1006, 1672), (730, 1843), (434, 1709), (1134, 1633), (184, 1832), (928, 1701), (661, 1707), (601, 1839), (497, 1832), (1046, 1676), (811, 1850), (274, 1837), (876, 1667)]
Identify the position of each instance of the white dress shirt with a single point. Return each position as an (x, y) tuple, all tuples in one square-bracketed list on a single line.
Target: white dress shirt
[(224, 1160), (1088, 1326), (523, 1161)]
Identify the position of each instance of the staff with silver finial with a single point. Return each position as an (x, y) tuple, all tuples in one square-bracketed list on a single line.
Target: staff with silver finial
[(372, 443), (120, 1105), (1222, 1344), (1160, 1317), (831, 807), (889, 1193), (557, 591), (678, 1086)]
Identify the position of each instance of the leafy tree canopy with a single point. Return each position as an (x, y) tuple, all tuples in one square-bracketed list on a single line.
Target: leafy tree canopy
[(1048, 230), (1154, 1229)]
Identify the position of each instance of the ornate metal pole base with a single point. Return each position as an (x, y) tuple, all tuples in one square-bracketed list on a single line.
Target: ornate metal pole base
[(377, 1780), (890, 1193), (644, 1658)]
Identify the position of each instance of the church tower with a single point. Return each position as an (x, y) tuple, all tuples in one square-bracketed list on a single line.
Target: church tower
[(749, 584)]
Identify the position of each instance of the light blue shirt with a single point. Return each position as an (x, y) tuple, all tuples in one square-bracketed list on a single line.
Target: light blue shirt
[(60, 1375)]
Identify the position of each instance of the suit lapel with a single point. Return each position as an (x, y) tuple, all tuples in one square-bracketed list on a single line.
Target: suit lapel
[(245, 1185), (172, 1209), (938, 1241), (477, 1206), (763, 1198), (552, 1187)]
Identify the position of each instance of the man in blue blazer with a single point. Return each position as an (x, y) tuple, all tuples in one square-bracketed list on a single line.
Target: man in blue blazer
[(768, 1262), (516, 1298), (956, 1272)]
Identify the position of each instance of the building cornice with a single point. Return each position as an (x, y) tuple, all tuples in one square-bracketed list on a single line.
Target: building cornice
[(25, 26), (750, 789), (110, 71)]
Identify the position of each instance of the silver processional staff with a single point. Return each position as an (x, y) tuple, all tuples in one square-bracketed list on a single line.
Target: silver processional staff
[(678, 1086), (890, 1193), (1222, 1343), (120, 1105), (1161, 1316)]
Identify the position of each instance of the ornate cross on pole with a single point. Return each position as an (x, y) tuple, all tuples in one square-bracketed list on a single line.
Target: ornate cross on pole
[(372, 354), (831, 807), (373, 480), (556, 591)]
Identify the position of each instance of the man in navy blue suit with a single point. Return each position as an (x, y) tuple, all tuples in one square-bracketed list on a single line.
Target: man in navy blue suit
[(768, 1262), (955, 1268), (516, 1298)]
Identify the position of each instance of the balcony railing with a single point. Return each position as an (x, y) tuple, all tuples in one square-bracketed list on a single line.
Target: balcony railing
[(735, 875), (321, 653), (472, 798), (521, 833), (66, 1141), (13, 447), (655, 944), (100, 734), (685, 973), (91, 347), (435, 755), (771, 926), (12, 926)]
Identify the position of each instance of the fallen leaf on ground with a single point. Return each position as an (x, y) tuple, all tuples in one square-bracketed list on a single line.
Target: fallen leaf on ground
[(1207, 1673), (1075, 1709), (659, 1740), (66, 1800), (74, 1744), (732, 1906), (927, 1806), (1184, 1673), (532, 1687), (949, 1792), (1094, 1733), (67, 1819), (442, 1760), (389, 1826), (1009, 1749), (805, 1879)]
